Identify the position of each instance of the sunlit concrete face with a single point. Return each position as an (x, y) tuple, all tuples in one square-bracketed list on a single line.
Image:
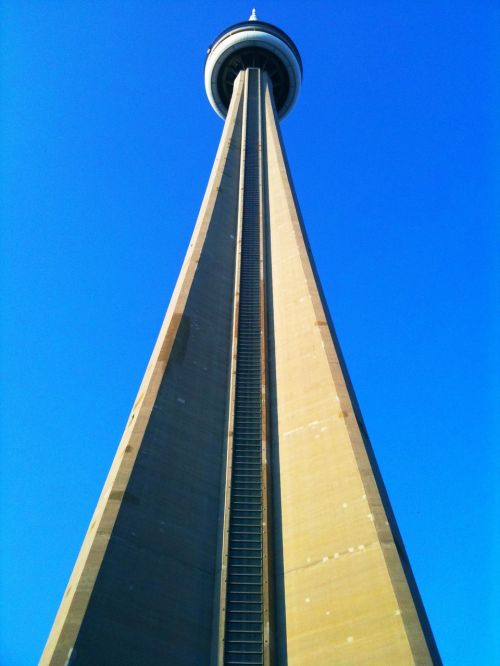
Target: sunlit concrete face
[(346, 595), (244, 519)]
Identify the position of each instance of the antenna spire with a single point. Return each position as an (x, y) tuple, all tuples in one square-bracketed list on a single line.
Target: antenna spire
[(253, 15)]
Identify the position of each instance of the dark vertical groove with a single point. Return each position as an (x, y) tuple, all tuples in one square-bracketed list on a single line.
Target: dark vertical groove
[(244, 600), (277, 590)]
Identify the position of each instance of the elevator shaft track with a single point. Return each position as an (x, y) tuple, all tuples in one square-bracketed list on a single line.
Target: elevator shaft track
[(245, 595)]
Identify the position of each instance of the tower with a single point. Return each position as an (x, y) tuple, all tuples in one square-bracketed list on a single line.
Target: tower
[(244, 520)]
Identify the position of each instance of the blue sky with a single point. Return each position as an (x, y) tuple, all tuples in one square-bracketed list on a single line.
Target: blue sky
[(107, 141)]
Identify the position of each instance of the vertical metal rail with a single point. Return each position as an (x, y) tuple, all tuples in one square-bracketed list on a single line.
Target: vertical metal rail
[(265, 461), (244, 630)]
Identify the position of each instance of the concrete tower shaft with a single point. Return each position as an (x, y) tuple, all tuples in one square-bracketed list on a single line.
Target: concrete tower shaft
[(244, 519)]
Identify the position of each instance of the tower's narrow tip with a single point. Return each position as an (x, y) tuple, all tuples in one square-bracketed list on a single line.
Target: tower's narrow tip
[(253, 15)]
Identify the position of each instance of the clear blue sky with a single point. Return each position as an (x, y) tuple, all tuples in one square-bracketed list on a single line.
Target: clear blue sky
[(107, 143)]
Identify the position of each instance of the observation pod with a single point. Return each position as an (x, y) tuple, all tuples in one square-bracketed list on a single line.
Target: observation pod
[(253, 43)]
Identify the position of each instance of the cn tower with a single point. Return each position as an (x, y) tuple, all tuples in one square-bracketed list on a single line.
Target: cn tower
[(244, 519)]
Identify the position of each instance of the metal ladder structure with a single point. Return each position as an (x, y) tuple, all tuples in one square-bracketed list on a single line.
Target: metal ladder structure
[(244, 615)]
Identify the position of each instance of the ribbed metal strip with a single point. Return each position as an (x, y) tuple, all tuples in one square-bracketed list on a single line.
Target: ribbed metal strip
[(244, 639)]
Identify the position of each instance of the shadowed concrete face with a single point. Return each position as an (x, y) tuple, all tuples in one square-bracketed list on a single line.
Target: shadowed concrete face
[(158, 573), (143, 587)]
